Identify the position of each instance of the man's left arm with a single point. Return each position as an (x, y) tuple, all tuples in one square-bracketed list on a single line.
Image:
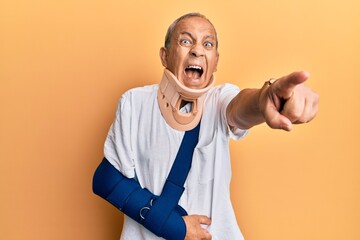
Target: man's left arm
[(280, 103)]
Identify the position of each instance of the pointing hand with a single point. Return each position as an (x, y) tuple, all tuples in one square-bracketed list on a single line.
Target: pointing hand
[(288, 100)]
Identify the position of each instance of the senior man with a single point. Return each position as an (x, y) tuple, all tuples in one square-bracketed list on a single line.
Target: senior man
[(187, 121)]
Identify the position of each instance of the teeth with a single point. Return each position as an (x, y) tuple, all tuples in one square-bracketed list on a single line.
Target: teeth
[(195, 67)]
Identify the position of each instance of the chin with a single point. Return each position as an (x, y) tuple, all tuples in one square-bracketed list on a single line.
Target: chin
[(195, 84)]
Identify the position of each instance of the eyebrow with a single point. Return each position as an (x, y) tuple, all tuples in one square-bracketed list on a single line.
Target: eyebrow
[(186, 33), (190, 35)]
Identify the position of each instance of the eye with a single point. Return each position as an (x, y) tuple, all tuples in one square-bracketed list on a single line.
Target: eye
[(185, 42), (208, 44)]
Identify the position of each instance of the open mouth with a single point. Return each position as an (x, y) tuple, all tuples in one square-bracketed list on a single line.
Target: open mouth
[(193, 71)]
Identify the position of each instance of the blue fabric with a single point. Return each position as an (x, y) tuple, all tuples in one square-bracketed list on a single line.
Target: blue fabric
[(160, 214), (127, 195), (182, 163), (161, 211)]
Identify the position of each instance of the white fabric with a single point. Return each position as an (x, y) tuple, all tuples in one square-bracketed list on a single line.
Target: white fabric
[(140, 144)]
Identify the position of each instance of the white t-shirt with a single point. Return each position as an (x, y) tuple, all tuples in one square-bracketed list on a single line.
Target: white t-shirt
[(141, 144)]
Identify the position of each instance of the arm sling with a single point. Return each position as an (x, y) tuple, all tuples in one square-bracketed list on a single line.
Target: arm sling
[(160, 214)]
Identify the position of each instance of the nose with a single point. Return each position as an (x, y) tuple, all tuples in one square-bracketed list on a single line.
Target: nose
[(197, 50)]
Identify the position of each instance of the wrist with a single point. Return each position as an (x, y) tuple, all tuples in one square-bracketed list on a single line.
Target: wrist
[(264, 96)]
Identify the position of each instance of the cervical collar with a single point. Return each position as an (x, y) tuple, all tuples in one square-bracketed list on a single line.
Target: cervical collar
[(172, 93)]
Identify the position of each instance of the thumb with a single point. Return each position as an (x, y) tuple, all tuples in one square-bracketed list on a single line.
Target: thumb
[(274, 118), (284, 86)]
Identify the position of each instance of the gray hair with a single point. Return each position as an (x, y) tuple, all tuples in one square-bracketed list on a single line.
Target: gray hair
[(171, 28)]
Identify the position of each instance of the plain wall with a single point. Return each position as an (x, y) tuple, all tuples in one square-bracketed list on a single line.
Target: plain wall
[(64, 65)]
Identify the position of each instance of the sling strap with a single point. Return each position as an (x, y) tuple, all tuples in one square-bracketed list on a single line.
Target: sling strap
[(162, 208), (160, 214)]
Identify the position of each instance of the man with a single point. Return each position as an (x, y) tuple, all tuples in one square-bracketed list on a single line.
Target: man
[(150, 123)]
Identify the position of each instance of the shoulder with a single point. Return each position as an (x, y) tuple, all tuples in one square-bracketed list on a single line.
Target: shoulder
[(139, 94), (222, 91), (141, 91), (136, 97), (226, 88)]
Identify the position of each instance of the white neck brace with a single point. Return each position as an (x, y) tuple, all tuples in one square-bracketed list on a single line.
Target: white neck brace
[(171, 93)]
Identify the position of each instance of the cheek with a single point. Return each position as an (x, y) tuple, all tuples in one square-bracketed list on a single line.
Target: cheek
[(212, 58), (212, 65), (175, 55)]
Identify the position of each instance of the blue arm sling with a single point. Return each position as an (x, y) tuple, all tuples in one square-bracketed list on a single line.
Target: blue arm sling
[(160, 214)]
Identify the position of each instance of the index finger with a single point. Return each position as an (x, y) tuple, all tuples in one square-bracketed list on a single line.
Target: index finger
[(284, 86)]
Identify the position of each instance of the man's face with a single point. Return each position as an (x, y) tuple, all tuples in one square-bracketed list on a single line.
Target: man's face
[(192, 56)]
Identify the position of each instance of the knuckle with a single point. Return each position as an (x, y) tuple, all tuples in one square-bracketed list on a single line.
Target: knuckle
[(207, 236), (293, 114), (302, 120)]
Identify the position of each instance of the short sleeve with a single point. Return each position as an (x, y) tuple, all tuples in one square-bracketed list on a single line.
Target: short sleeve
[(117, 147), (228, 92)]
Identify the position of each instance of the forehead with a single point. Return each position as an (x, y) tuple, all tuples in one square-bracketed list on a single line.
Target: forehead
[(195, 25)]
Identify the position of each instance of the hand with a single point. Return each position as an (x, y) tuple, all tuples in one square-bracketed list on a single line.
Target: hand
[(194, 230), (288, 101)]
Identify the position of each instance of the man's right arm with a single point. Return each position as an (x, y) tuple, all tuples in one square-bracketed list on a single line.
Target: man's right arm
[(127, 195)]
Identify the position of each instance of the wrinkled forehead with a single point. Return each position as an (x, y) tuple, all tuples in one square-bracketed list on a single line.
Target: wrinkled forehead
[(196, 26)]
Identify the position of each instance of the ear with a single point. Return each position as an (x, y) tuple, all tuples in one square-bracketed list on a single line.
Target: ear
[(163, 56)]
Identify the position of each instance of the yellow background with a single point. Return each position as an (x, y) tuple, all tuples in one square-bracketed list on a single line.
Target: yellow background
[(64, 65)]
